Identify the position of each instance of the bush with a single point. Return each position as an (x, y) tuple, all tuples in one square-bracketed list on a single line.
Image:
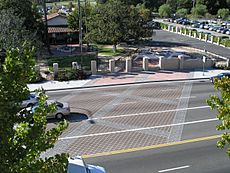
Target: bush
[(66, 75), (199, 10), (223, 13), (37, 78)]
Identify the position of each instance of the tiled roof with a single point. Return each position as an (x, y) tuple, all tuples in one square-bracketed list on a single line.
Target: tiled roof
[(59, 30)]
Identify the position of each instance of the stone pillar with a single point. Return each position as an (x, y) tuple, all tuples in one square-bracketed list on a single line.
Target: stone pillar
[(212, 38), (181, 58), (228, 63), (190, 33), (75, 66), (94, 67), (145, 64), (185, 31), (128, 65), (200, 36), (111, 65), (55, 67), (37, 68), (206, 37), (176, 29), (169, 27)]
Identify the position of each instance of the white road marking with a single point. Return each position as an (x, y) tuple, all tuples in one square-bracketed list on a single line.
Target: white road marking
[(173, 169), (139, 129), (125, 103), (146, 113), (191, 97), (169, 89)]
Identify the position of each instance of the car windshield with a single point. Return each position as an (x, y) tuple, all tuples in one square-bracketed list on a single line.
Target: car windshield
[(59, 104)]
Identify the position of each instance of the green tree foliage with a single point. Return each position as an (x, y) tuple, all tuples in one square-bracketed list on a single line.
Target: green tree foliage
[(23, 134), (12, 31), (199, 10), (165, 10), (182, 12), (114, 21), (24, 9), (223, 13), (222, 104)]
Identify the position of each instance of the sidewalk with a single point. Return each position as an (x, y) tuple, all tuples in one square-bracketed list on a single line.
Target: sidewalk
[(123, 78)]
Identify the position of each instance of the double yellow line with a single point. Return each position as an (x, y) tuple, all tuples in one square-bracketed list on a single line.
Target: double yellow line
[(152, 146)]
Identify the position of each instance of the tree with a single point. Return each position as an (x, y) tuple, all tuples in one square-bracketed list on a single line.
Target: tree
[(223, 13), (199, 10), (114, 21), (12, 31), (222, 104), (182, 12), (23, 133), (165, 10)]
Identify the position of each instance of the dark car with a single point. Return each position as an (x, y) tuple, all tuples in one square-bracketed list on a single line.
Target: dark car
[(220, 76)]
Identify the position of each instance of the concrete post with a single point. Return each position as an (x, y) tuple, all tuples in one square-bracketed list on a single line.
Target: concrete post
[(228, 63), (206, 37), (200, 36), (176, 29), (94, 67), (111, 65), (55, 67), (128, 65), (180, 31), (218, 40), (145, 64), (161, 59), (169, 27), (212, 38), (195, 34), (75, 65), (181, 58), (190, 33), (185, 31), (37, 68)]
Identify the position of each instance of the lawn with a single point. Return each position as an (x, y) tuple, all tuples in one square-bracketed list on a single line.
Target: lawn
[(106, 50), (66, 62)]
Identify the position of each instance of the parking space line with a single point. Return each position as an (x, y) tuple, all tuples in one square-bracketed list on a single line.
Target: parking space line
[(173, 169)]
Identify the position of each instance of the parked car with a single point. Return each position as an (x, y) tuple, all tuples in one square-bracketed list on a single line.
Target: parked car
[(77, 165), (29, 101), (62, 109), (220, 76)]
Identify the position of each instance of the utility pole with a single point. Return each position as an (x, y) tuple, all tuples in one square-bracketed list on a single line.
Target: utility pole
[(46, 26), (80, 24)]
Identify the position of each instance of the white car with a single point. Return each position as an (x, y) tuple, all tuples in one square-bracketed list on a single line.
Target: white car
[(62, 109), (77, 165), (30, 101)]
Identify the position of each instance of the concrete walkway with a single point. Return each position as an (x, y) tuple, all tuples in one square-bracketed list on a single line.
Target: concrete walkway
[(123, 78)]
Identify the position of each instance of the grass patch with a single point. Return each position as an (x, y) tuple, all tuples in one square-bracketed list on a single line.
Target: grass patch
[(66, 62), (105, 50)]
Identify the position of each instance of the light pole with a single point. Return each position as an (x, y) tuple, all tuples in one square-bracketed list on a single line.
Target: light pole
[(193, 3), (46, 26)]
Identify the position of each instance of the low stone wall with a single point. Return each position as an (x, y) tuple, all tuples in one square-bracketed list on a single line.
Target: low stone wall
[(169, 63), (197, 63)]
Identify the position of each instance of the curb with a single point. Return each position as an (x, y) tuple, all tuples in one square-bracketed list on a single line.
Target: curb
[(123, 84)]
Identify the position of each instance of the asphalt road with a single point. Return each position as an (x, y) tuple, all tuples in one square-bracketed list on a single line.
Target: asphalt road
[(130, 121), (169, 39), (198, 157)]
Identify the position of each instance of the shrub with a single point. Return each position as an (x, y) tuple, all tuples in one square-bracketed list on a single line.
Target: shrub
[(165, 10), (37, 78), (182, 12), (223, 13), (199, 10), (66, 75)]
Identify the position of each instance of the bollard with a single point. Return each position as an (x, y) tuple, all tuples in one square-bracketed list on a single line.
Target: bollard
[(206, 37), (111, 65), (200, 36), (145, 63), (94, 67), (55, 67), (128, 65), (75, 65), (181, 58)]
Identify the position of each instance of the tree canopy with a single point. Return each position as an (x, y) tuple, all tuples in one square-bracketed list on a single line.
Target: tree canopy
[(222, 105), (23, 133)]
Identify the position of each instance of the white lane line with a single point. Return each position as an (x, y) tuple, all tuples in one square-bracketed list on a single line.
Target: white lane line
[(169, 89), (173, 169), (146, 113), (191, 97), (125, 103), (138, 129)]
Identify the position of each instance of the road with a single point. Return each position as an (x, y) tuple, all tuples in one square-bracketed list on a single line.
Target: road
[(169, 39), (133, 127)]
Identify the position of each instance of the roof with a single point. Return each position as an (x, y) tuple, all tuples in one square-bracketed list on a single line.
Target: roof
[(54, 15), (60, 30)]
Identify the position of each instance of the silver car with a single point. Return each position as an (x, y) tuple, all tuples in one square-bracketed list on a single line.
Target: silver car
[(30, 101), (62, 109)]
